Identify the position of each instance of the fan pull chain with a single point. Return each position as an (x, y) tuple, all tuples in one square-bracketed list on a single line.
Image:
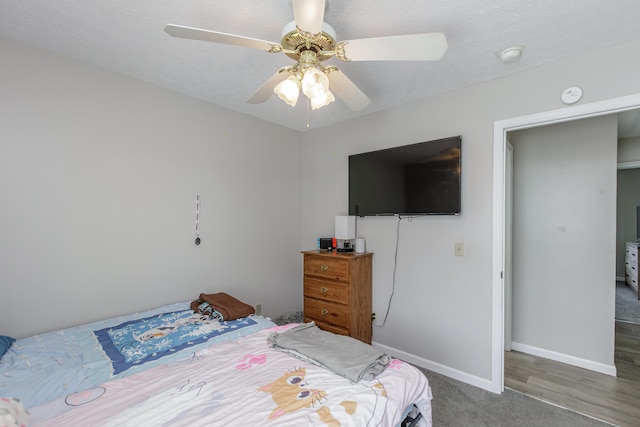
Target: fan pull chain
[(308, 105)]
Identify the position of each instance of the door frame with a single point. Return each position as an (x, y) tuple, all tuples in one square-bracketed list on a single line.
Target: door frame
[(508, 244), (500, 130)]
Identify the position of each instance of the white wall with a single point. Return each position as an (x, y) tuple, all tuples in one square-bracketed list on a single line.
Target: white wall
[(629, 149), (98, 179), (564, 252), (441, 312)]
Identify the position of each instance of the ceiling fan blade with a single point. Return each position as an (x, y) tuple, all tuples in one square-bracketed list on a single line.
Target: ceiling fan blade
[(266, 90), (346, 90), (309, 15), (411, 47), (217, 37)]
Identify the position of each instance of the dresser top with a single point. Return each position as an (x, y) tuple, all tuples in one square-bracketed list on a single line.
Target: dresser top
[(335, 254)]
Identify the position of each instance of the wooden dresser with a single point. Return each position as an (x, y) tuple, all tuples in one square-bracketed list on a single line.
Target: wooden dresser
[(337, 292)]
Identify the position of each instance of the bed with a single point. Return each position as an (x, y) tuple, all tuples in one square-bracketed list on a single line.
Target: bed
[(173, 366)]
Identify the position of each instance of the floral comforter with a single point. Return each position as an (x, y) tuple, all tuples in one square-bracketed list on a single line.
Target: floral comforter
[(244, 382)]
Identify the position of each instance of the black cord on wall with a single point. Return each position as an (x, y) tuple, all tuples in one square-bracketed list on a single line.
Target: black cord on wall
[(395, 268)]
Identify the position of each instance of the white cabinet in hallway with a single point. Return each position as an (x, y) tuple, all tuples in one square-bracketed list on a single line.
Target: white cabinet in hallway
[(631, 265)]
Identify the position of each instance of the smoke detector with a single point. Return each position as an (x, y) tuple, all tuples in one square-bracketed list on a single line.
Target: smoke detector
[(510, 54)]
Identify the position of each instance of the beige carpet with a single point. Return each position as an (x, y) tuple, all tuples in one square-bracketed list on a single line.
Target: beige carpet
[(456, 404)]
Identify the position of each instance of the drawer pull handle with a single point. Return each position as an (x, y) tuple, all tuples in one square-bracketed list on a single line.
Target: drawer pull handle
[(324, 267), (323, 289), (325, 311)]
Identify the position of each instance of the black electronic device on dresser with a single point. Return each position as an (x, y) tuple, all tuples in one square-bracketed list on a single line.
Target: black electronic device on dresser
[(326, 242)]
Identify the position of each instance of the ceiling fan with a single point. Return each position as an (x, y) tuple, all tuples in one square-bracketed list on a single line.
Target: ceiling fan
[(309, 41)]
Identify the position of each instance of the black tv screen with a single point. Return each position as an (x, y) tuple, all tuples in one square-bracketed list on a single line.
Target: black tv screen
[(416, 179), (637, 223)]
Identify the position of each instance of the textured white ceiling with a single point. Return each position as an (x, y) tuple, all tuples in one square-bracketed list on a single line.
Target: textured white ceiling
[(127, 37)]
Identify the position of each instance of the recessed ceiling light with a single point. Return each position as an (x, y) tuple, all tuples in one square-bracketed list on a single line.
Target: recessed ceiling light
[(511, 53)]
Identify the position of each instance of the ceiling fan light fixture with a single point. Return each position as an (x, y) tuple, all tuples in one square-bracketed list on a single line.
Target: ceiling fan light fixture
[(322, 100), (288, 90), (314, 83), (309, 41)]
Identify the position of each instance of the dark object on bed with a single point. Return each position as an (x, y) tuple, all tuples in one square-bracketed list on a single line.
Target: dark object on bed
[(413, 418), (227, 306)]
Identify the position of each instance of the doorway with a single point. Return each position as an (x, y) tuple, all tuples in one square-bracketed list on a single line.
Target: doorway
[(564, 205), (501, 128), (628, 214)]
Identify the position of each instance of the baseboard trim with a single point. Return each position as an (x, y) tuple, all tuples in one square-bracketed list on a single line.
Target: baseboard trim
[(565, 358), (435, 367)]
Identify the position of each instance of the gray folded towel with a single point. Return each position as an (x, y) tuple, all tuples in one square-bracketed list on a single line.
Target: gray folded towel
[(343, 355)]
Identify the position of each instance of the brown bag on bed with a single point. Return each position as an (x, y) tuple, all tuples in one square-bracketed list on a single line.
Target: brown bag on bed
[(225, 304)]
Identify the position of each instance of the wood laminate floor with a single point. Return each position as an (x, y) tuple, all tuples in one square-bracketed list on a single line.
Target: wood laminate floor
[(610, 399)]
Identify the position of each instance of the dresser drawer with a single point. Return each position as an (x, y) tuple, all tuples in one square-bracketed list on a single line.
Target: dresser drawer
[(326, 266), (326, 290), (328, 326), (326, 312)]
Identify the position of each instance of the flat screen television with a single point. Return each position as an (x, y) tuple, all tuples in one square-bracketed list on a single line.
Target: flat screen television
[(411, 180), (637, 223)]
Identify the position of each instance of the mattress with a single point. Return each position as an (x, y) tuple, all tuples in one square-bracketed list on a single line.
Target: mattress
[(244, 381)]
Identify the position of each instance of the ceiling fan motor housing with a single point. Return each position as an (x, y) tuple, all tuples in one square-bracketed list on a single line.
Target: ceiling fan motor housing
[(298, 41)]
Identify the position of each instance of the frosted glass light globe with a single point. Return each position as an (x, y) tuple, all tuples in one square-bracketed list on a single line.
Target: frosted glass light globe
[(314, 82), (288, 90), (321, 100)]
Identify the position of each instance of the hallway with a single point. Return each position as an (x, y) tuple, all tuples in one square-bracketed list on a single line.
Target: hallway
[(607, 398)]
